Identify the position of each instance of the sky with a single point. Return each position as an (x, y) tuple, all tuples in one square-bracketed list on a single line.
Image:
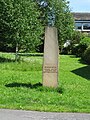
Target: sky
[(79, 5)]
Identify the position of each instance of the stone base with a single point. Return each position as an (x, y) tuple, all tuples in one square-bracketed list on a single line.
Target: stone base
[(51, 52)]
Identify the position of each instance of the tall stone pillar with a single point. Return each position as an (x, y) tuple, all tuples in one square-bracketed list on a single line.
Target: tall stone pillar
[(50, 63)]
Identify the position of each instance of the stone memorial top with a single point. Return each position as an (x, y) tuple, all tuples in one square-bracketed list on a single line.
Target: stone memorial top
[(50, 13)]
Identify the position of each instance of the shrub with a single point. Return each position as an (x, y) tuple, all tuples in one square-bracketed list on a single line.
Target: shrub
[(85, 41), (79, 49), (86, 55)]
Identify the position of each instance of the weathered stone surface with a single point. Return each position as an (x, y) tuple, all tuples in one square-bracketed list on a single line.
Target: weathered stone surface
[(50, 64)]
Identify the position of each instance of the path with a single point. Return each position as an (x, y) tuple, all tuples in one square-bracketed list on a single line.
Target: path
[(6, 114)]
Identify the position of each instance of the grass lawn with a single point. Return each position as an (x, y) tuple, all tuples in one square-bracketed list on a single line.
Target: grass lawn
[(21, 88)]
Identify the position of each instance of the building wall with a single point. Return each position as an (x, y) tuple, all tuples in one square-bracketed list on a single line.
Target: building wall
[(82, 22)]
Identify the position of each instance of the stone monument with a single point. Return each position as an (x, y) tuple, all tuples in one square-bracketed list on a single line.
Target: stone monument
[(51, 51), (50, 63)]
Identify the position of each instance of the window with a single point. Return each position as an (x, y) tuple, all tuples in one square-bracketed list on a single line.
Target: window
[(86, 26), (78, 26)]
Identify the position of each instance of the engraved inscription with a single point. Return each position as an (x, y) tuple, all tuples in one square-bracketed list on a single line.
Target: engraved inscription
[(50, 69)]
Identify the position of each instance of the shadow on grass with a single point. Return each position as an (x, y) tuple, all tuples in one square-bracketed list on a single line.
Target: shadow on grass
[(37, 86), (82, 61), (83, 72), (72, 56), (27, 85), (30, 54), (2, 59)]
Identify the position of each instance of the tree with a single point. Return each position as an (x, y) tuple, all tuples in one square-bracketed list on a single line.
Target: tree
[(20, 24)]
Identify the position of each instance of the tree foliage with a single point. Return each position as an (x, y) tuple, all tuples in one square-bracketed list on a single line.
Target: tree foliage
[(63, 19), (20, 23)]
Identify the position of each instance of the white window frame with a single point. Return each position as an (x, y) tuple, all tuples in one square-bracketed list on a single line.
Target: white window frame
[(82, 26)]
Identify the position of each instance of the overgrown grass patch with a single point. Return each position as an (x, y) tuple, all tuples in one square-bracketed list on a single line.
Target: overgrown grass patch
[(21, 85)]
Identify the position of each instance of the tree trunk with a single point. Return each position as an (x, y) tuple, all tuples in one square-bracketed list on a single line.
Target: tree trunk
[(16, 55)]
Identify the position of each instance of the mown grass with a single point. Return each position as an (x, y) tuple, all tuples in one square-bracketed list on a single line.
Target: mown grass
[(21, 85)]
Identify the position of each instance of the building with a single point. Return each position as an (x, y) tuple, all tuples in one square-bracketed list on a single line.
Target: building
[(82, 22)]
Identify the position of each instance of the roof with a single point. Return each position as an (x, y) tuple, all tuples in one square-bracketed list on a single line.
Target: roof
[(81, 16)]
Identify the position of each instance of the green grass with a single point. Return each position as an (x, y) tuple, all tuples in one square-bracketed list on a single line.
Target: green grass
[(21, 88)]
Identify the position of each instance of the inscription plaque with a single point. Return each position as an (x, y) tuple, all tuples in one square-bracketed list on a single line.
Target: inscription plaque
[(50, 69)]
